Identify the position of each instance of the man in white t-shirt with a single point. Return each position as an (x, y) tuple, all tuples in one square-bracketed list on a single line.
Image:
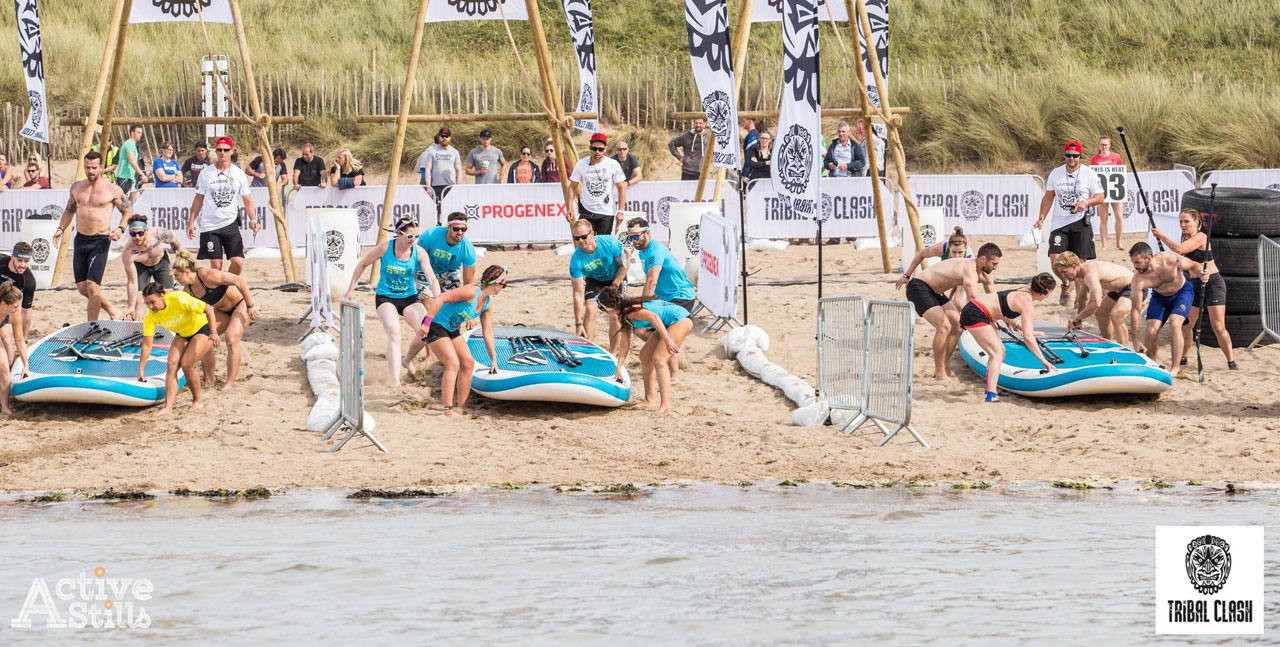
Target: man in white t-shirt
[(1071, 193), (591, 180), (439, 167), (218, 187)]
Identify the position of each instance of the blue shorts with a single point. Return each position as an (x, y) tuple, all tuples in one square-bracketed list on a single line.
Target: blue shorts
[(1178, 303)]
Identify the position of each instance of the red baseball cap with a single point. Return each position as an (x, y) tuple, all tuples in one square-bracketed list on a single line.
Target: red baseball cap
[(1073, 146), (600, 137), (223, 140)]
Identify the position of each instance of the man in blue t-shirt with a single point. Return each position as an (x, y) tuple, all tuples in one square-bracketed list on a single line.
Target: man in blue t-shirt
[(165, 169), (664, 278), (453, 257), (597, 263)]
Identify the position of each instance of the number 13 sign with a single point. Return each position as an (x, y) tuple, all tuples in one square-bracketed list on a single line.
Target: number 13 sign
[(1113, 182)]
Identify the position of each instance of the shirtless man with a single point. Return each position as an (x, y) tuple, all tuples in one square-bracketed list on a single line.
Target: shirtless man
[(146, 259), (1104, 291), (91, 204), (927, 292), (1170, 299)]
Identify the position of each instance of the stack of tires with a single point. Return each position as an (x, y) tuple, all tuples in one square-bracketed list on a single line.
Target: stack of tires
[(1242, 216)]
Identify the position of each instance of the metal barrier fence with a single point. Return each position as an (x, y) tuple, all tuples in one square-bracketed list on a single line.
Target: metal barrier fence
[(865, 360), (351, 377), (1268, 288)]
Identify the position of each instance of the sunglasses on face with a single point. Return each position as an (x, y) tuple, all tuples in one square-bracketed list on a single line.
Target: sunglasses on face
[(138, 234), (458, 230), (223, 150), (623, 150), (581, 238), (525, 153), (409, 236), (634, 236), (1072, 155), (549, 150), (32, 170), (598, 150)]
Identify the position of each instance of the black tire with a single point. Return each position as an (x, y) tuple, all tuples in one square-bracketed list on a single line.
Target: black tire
[(1242, 328), (1235, 256), (1242, 213), (1242, 295)]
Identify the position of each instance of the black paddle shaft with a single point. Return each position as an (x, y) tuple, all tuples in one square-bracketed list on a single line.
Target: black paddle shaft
[(1204, 287), (1146, 204)]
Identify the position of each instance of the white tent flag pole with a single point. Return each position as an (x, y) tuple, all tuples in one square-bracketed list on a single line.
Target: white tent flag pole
[(577, 14), (707, 22), (28, 19), (798, 162)]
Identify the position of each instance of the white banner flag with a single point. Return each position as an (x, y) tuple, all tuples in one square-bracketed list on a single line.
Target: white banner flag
[(180, 10), (451, 10), (718, 265), (367, 201), (170, 209), (1262, 178), (848, 211), (508, 213), (37, 125), (578, 14), (707, 22), (984, 205), (797, 164), (771, 10)]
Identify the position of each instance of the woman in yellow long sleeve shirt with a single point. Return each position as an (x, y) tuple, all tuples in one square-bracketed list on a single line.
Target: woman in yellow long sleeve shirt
[(193, 324)]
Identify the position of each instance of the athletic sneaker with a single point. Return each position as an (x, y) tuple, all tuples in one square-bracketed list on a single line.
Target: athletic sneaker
[(1233, 366)]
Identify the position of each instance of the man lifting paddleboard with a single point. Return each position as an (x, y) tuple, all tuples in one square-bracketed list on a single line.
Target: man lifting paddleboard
[(927, 293), (1171, 298), (91, 204), (1105, 292)]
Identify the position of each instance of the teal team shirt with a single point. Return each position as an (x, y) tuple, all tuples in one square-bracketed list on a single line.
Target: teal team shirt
[(669, 313), (672, 283), (602, 265), (445, 257)]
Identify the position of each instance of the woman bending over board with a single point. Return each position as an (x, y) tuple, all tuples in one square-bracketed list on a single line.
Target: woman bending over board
[(671, 324), (982, 314), (397, 292), (441, 331), (11, 316), (1211, 287), (228, 294), (193, 325)]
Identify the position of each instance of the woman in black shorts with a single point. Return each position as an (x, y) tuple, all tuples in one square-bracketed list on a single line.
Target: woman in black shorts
[(982, 314), (1211, 286), (229, 295)]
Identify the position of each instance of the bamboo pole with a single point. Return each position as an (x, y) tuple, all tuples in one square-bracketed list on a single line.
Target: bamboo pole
[(706, 164), (470, 117), (741, 35), (402, 124), (872, 165), (565, 157), (104, 143), (264, 142), (86, 142)]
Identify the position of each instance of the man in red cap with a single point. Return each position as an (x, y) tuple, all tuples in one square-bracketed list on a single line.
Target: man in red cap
[(217, 189), (595, 179), (1071, 192)]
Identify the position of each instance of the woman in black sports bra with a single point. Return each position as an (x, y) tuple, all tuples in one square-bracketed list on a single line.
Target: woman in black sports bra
[(1214, 289), (1015, 306), (228, 294)]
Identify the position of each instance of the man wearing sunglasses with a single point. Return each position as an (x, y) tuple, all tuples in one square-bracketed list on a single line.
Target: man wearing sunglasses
[(664, 278), (33, 179), (630, 163), (146, 259), (453, 260), (217, 189), (1071, 193), (595, 179), (439, 167), (596, 264)]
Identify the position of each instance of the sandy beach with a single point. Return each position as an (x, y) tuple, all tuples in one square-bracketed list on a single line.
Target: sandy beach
[(726, 426)]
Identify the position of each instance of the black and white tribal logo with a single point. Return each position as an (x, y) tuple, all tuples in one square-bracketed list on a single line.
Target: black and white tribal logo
[(51, 212), (587, 99), (37, 109), (1208, 563), (182, 8), (473, 211), (223, 190), (878, 14), (578, 14), (693, 239), (366, 213), (1273, 187), (708, 27), (716, 105), (928, 235), (796, 159), (972, 204), (663, 212), (334, 245), (598, 187), (475, 7), (828, 208), (1067, 200), (40, 250), (800, 52), (29, 39)]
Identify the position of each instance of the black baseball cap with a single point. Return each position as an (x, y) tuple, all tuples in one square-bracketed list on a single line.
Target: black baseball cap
[(486, 133), (444, 132)]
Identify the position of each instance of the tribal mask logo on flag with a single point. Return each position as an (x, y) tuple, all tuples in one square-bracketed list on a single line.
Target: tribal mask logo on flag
[(771, 10), (214, 11), (796, 159), (577, 14), (795, 173), (182, 8), (475, 7), (800, 53), (29, 38)]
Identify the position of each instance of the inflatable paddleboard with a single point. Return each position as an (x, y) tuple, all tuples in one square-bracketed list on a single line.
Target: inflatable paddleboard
[(1109, 367), (542, 364), (102, 368)]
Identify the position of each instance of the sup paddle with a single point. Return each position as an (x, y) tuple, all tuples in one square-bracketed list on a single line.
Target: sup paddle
[(1142, 194), (68, 353), (1204, 285)]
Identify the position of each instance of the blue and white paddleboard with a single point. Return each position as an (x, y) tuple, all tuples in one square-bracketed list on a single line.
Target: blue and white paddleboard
[(103, 370), (542, 364), (1109, 367)]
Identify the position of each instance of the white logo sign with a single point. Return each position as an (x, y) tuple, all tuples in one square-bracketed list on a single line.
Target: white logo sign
[(1209, 580), (94, 601)]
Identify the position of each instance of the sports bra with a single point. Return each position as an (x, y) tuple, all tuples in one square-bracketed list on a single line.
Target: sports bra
[(1005, 310), (211, 295), (1197, 255), (946, 250)]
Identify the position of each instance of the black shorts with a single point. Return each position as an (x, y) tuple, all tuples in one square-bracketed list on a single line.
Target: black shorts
[(601, 223), (1215, 291), (125, 184), (204, 330), (90, 260), (1076, 237), (436, 331), (922, 296), (160, 273), (219, 242), (687, 304), (399, 302), (974, 316), (594, 288), (1126, 293)]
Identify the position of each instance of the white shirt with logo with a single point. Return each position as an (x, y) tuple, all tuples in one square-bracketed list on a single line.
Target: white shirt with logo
[(223, 193), (1070, 188), (599, 184)]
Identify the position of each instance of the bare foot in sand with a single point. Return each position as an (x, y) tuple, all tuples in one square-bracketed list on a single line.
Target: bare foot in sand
[(6, 411), (944, 377), (950, 373), (196, 405), (161, 411), (646, 403), (664, 409), (450, 413)]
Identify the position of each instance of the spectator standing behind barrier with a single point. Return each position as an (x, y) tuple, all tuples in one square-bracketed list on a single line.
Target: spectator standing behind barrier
[(113, 156), (347, 171), (217, 189), (550, 169), (845, 158), (440, 166), (309, 169), (1107, 157), (196, 163), (485, 161), (860, 136), (165, 170), (130, 175), (753, 135), (689, 147), (1071, 191), (760, 157), (32, 179), (258, 172), (594, 180), (34, 158), (6, 174), (524, 171), (630, 163)]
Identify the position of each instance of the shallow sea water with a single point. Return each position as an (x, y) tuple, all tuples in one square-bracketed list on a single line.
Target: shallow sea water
[(699, 565)]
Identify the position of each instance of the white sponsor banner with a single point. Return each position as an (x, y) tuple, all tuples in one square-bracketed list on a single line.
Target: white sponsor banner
[(341, 247), (170, 209), (1115, 181), (718, 266), (1164, 190), (32, 53), (707, 24), (990, 205), (932, 231), (17, 206), (1262, 178), (771, 10), (367, 201), (796, 169), (685, 219), (1165, 222), (180, 10), (450, 10), (847, 211), (578, 14), (44, 256), (654, 200), (508, 213)]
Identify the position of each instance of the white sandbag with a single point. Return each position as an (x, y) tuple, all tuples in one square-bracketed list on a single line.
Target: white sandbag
[(813, 415), (479, 254), (321, 381), (753, 361), (262, 252), (773, 375), (767, 245), (316, 338), (564, 250), (798, 391), (739, 338), (842, 417), (322, 413), (321, 351)]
